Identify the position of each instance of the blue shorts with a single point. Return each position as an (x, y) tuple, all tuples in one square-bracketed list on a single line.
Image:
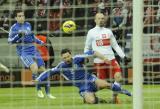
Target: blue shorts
[(88, 86), (28, 60)]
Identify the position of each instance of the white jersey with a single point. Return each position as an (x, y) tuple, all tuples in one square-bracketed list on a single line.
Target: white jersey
[(102, 40)]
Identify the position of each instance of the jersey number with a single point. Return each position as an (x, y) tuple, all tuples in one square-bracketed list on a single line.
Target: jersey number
[(103, 42)]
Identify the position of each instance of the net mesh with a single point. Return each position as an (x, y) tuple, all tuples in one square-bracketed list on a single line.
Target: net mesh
[(151, 51), (46, 18)]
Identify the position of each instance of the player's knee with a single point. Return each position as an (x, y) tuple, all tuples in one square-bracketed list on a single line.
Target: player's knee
[(101, 84), (90, 101), (34, 68)]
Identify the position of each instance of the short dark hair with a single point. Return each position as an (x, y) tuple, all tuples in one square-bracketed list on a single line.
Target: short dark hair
[(65, 50), (17, 11)]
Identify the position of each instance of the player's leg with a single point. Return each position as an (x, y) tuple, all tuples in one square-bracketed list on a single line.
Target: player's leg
[(31, 64), (41, 79), (89, 98), (34, 69), (88, 92), (102, 84), (105, 71), (116, 71), (47, 81), (95, 84), (117, 75), (41, 66), (37, 66), (88, 89), (40, 62), (101, 70)]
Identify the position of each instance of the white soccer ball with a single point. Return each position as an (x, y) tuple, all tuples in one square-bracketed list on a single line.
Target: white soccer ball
[(69, 26)]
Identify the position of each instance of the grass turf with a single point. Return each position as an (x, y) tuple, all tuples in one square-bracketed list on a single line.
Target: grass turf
[(68, 98)]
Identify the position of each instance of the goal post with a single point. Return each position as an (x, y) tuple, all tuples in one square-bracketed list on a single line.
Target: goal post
[(137, 54)]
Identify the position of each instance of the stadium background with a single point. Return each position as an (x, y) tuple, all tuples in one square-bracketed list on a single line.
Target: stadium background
[(47, 16)]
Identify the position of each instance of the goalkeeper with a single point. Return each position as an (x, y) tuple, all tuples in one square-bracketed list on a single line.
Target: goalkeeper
[(72, 68), (20, 34)]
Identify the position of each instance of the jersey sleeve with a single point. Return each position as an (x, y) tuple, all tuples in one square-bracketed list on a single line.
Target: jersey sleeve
[(56, 69), (116, 47), (36, 40), (89, 52), (45, 75), (88, 43), (13, 36), (83, 57)]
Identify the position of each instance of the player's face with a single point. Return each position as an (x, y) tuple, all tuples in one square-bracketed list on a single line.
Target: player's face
[(67, 57), (20, 17), (100, 20)]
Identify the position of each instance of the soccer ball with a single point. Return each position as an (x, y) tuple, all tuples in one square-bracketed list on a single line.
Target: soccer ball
[(69, 26)]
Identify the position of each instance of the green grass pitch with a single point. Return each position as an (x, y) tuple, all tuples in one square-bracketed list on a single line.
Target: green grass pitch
[(68, 98)]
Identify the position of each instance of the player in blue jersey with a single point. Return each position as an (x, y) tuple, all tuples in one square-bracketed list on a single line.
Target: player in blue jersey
[(72, 68), (21, 34)]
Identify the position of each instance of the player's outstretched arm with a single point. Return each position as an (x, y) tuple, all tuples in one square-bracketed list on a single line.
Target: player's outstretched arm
[(46, 74)]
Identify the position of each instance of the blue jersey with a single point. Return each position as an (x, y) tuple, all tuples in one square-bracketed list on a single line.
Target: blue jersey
[(75, 72), (25, 45)]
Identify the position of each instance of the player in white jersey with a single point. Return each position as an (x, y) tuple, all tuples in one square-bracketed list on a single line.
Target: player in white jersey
[(101, 39)]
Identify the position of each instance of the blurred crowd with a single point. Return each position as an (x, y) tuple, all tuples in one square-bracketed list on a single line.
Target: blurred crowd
[(47, 16)]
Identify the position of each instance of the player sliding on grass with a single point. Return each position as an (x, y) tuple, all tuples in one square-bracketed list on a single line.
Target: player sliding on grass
[(72, 68)]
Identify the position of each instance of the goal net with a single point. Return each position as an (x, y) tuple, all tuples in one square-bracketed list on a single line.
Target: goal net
[(46, 18)]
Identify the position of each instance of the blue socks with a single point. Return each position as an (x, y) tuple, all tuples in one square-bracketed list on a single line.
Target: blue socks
[(115, 87), (47, 87)]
